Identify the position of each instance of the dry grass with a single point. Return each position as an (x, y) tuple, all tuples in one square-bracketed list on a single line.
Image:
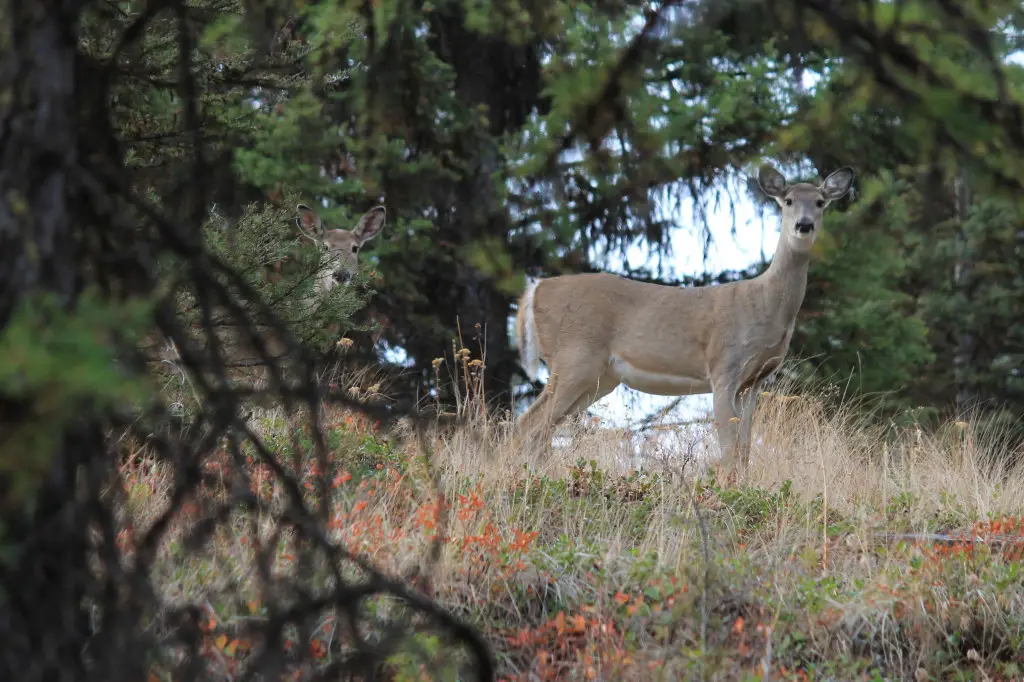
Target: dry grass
[(833, 559)]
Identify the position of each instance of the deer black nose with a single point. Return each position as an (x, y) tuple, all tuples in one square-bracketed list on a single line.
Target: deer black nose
[(342, 276), (804, 225)]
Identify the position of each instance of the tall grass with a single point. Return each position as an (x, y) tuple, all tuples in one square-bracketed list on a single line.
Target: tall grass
[(851, 548)]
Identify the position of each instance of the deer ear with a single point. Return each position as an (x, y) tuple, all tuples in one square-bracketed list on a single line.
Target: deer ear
[(837, 184), (772, 182), (370, 224), (308, 221)]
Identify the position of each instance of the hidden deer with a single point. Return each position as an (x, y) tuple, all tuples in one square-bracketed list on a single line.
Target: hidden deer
[(338, 263), (341, 246)]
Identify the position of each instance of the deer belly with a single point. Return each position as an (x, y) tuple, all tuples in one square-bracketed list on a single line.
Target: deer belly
[(657, 383)]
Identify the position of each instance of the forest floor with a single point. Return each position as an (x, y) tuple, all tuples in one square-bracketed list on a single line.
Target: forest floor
[(849, 551)]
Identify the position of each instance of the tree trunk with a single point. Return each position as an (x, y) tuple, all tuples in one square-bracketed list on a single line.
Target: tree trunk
[(505, 80), (43, 623), (963, 358)]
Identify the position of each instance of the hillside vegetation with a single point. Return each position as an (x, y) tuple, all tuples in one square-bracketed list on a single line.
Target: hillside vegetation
[(850, 550)]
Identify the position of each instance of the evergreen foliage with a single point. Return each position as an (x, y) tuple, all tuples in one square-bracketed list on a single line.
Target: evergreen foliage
[(152, 153)]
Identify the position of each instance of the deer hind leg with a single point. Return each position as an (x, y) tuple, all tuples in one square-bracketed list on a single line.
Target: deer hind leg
[(533, 418), (605, 385), (565, 394)]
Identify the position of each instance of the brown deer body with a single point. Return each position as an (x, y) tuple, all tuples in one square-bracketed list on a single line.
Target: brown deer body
[(596, 331)]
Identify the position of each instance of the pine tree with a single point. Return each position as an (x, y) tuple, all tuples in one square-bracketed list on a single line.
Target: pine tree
[(891, 305)]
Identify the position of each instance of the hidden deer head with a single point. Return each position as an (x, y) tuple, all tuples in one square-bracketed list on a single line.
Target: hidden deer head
[(342, 246)]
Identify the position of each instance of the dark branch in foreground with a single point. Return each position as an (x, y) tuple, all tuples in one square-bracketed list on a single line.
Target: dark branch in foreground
[(73, 605)]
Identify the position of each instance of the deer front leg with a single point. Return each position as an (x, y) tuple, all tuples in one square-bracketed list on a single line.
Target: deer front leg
[(727, 423), (747, 402)]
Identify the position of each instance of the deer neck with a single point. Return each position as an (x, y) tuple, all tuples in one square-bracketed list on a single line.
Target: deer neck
[(785, 282)]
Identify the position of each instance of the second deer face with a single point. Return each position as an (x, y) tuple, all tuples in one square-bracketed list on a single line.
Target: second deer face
[(803, 204), (343, 246)]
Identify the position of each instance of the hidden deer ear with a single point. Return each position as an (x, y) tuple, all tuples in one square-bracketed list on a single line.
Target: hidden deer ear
[(370, 224), (308, 221), (837, 184), (772, 182)]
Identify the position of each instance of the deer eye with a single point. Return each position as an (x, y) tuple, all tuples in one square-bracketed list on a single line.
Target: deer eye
[(789, 202), (820, 203), (355, 249)]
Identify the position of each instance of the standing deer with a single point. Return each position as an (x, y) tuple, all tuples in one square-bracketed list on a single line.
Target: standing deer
[(596, 331)]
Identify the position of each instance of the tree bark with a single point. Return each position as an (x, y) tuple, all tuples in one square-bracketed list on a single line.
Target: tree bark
[(504, 79), (43, 623), (963, 358)]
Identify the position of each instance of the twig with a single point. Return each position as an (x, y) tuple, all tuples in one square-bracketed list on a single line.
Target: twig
[(950, 539), (705, 576)]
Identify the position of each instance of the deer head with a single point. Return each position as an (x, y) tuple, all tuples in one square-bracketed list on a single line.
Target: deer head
[(803, 204), (342, 246)]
